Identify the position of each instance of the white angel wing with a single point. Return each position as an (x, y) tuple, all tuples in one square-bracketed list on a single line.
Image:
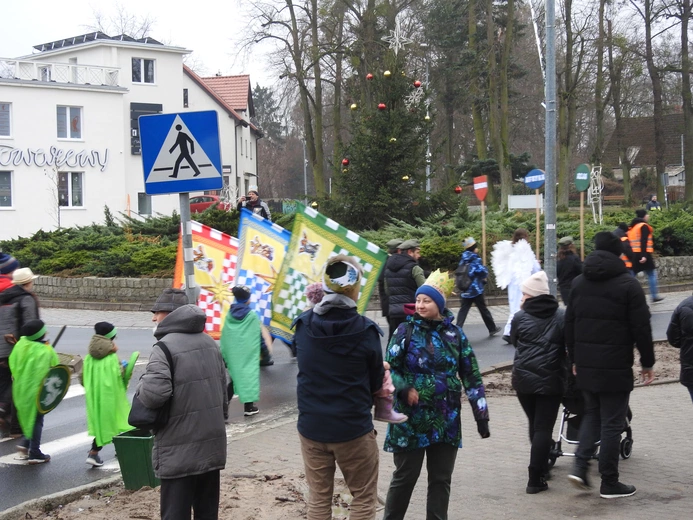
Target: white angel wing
[(523, 262), (500, 263)]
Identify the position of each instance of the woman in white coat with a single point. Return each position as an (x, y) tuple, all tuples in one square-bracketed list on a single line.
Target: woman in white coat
[(513, 262)]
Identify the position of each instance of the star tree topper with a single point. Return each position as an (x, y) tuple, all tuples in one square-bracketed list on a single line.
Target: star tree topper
[(397, 40)]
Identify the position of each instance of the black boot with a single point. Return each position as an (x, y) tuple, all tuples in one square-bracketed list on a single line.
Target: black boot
[(536, 482)]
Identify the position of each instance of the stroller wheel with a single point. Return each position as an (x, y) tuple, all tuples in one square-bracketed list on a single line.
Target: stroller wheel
[(626, 448)]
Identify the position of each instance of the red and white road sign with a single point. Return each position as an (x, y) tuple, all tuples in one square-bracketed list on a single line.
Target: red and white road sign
[(481, 186)]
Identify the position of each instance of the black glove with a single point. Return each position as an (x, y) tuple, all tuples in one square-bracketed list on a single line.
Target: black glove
[(482, 428)]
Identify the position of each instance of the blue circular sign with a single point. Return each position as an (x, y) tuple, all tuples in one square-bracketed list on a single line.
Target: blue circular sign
[(535, 179)]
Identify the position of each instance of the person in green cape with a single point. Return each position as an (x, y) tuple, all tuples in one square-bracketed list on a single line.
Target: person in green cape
[(105, 388), (240, 348), (31, 359)]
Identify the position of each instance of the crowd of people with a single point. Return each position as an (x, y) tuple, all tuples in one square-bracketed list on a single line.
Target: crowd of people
[(416, 386)]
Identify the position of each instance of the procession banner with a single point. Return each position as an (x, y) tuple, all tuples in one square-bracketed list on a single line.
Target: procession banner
[(261, 251), (314, 239), (215, 256)]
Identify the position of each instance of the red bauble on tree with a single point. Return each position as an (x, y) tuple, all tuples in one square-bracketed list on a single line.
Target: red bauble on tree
[(369, 76), (382, 106), (458, 189), (345, 162), (417, 83)]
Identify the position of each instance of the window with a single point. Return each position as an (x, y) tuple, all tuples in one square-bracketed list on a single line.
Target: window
[(5, 189), (69, 122), (246, 148), (5, 128), (251, 150), (185, 98), (70, 189), (142, 70), (144, 204)]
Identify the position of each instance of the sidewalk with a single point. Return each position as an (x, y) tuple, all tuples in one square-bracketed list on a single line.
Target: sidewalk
[(491, 474)]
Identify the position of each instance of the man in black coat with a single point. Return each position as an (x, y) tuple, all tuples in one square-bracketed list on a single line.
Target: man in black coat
[(403, 276), (606, 317), (680, 335)]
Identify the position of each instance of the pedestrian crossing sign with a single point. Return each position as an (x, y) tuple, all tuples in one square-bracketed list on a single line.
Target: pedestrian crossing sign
[(181, 152)]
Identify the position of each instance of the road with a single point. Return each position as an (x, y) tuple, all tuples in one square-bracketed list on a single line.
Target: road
[(65, 433)]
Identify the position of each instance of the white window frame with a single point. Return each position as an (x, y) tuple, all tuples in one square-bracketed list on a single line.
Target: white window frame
[(11, 206), (70, 189), (142, 63), (68, 113), (9, 117)]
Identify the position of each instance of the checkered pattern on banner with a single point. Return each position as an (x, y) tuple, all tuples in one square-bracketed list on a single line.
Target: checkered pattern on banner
[(228, 270), (292, 298), (212, 310), (260, 299)]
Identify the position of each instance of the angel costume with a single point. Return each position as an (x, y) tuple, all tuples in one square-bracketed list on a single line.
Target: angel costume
[(513, 264)]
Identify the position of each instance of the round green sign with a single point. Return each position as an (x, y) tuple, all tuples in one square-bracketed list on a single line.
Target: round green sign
[(54, 388), (582, 177)]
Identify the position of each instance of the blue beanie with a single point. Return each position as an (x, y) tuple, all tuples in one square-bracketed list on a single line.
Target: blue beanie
[(434, 294), (8, 263)]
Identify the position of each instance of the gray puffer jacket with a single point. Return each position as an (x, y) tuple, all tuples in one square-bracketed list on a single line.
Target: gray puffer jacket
[(194, 440), (17, 306)]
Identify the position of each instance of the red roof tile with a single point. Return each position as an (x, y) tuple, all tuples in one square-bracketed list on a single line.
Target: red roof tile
[(235, 90)]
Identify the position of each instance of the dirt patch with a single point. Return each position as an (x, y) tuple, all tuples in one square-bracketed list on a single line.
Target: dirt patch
[(667, 368)]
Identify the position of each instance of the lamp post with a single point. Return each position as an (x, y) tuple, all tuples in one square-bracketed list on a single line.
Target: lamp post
[(424, 46), (305, 175)]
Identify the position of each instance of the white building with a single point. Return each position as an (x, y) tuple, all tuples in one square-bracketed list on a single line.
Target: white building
[(69, 133)]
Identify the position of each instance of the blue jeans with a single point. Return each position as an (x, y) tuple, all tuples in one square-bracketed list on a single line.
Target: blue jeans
[(652, 281), (34, 444)]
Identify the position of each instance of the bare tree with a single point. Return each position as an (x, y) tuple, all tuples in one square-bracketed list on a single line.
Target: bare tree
[(120, 21)]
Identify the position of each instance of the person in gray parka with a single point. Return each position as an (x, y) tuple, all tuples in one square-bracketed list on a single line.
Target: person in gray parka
[(190, 450)]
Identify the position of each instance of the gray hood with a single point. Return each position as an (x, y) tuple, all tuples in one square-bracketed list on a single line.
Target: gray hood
[(188, 319)]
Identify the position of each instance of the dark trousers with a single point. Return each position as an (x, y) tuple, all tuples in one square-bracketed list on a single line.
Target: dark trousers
[(604, 421), (392, 324), (541, 410), (199, 492), (440, 461), (34, 444), (565, 294), (466, 304), (690, 390), (95, 447)]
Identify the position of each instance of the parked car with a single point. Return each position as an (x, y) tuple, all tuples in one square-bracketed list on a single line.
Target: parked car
[(202, 202)]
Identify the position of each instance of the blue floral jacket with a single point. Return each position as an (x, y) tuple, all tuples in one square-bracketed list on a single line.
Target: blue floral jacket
[(438, 362), (478, 272)]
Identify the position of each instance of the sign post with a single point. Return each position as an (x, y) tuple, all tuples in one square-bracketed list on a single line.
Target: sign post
[(534, 180), (181, 153), (582, 182), (480, 190)]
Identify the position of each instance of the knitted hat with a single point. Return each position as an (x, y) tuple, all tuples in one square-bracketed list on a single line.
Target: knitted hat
[(566, 241), (468, 243), (342, 273), (393, 245), (607, 241), (253, 189), (169, 300), (34, 330), (438, 287), (241, 293), (536, 284), (314, 293), (23, 276), (409, 244), (8, 263), (640, 213), (108, 330)]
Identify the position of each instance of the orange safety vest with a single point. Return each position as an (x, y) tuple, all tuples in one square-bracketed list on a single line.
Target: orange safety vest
[(626, 260), (635, 237)]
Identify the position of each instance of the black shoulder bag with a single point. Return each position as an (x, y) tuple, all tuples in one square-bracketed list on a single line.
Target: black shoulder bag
[(152, 418)]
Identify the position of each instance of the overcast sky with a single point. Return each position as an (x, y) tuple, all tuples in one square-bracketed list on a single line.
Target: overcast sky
[(206, 27)]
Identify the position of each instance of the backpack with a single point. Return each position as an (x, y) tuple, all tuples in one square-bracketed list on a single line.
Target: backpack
[(462, 279), (10, 318)]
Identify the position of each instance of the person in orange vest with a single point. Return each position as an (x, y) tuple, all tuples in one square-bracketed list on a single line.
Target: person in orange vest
[(627, 255), (641, 241)]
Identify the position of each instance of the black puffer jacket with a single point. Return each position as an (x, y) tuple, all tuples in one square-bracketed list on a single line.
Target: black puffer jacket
[(399, 283), (680, 335), (538, 336), (606, 317)]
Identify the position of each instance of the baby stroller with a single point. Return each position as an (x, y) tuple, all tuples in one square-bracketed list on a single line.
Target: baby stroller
[(569, 427)]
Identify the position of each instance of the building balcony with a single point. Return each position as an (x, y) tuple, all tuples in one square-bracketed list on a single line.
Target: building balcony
[(67, 73)]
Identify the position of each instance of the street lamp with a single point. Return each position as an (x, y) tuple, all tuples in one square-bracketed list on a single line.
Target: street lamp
[(424, 46)]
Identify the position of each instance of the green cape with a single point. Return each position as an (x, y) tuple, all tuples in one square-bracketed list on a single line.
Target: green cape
[(107, 404), (30, 361), (240, 348)]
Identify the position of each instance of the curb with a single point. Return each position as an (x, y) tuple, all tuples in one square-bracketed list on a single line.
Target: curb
[(53, 500)]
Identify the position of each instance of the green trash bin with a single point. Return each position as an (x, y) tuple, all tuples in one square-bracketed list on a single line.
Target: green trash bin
[(134, 452)]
